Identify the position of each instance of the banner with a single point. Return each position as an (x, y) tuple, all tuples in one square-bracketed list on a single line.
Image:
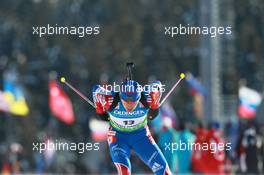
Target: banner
[(13, 99), (60, 104), (199, 92), (249, 100)]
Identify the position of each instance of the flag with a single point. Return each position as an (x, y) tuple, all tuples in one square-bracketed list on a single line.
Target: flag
[(195, 85), (14, 98), (249, 100), (198, 92), (60, 104), (99, 129)]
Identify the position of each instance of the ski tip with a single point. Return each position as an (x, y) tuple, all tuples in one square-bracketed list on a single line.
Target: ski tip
[(182, 75), (62, 79)]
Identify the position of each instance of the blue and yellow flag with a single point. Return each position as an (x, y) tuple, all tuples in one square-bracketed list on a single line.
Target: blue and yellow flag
[(15, 99)]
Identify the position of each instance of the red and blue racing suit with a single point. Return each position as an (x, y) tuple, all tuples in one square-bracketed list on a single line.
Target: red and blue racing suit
[(129, 131)]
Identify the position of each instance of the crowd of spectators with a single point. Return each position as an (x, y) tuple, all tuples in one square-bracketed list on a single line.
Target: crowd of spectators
[(129, 30)]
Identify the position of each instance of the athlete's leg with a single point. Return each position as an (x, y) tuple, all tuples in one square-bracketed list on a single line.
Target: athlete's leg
[(120, 153), (146, 148)]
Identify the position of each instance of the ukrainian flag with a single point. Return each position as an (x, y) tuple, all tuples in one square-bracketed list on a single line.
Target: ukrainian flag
[(15, 99)]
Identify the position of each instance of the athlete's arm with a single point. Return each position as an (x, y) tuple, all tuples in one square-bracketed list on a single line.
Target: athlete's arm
[(153, 99), (103, 100)]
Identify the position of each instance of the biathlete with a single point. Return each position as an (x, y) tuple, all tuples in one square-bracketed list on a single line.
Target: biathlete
[(128, 112)]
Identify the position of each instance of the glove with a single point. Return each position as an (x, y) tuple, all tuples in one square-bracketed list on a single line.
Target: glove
[(154, 95), (102, 99)]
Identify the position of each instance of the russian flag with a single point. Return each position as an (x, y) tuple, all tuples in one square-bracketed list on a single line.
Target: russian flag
[(249, 100)]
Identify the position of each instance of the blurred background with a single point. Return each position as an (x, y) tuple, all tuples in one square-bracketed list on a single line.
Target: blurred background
[(220, 99)]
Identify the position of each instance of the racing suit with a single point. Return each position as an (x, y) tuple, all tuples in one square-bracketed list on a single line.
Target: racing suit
[(129, 131)]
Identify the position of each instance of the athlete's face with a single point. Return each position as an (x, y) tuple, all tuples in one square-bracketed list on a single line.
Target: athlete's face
[(129, 105)]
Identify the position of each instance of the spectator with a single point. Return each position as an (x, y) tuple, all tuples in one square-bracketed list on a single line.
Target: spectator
[(184, 136), (251, 150), (167, 137)]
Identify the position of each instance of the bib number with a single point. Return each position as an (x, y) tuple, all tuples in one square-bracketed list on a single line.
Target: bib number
[(129, 122)]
